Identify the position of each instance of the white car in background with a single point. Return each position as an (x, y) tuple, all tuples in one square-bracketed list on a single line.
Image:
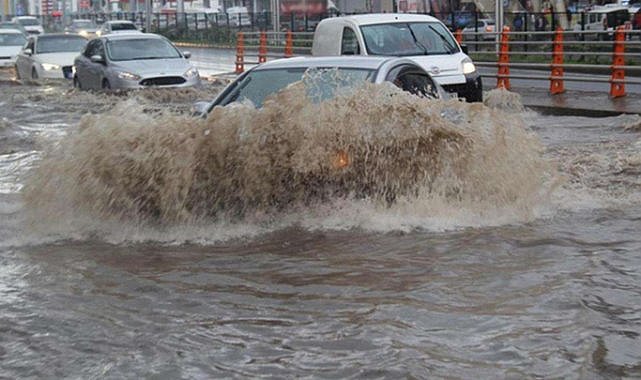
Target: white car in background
[(49, 56), (11, 42), (31, 24), (485, 29), (117, 26)]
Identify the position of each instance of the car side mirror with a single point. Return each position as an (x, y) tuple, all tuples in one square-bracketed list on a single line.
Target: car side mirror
[(200, 109), (28, 51), (97, 58), (187, 54), (464, 48)]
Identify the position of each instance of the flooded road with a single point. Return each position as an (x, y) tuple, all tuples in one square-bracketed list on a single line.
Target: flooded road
[(532, 270)]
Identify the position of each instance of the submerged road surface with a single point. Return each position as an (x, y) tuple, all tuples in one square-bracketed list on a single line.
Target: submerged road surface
[(488, 278)]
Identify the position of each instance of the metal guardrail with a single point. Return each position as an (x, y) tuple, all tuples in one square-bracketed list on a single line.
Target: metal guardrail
[(506, 47)]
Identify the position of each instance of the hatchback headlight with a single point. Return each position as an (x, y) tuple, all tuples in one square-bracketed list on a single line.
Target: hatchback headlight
[(192, 72), (49, 67), (468, 66), (128, 76)]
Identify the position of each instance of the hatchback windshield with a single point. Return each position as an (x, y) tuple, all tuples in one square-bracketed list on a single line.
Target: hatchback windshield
[(12, 39), (83, 24), (28, 21), (406, 39), (143, 48), (123, 26), (257, 85), (60, 44)]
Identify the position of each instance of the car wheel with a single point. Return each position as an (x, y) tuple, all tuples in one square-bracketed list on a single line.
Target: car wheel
[(76, 82), (105, 84), (34, 74)]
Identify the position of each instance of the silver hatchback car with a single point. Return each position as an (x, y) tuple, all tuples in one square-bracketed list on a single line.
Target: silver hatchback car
[(132, 61), (262, 80)]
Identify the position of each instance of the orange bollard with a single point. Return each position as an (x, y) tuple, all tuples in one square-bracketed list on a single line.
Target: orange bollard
[(459, 36), (557, 85), (617, 87), (240, 53), (289, 44), (262, 48), (503, 78)]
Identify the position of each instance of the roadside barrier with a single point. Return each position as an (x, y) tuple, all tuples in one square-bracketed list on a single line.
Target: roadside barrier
[(240, 53), (253, 48), (262, 49), (617, 79), (557, 85), (503, 77), (567, 45), (459, 36), (567, 53)]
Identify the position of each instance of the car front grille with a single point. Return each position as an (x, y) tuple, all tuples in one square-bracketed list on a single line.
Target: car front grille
[(163, 81)]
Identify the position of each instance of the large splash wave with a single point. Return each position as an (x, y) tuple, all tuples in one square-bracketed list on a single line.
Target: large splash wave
[(374, 151)]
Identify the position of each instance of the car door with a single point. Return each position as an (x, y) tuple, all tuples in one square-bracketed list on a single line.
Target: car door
[(23, 60), (95, 69), (82, 64)]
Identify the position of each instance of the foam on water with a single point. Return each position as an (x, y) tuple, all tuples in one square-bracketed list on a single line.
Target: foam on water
[(411, 163)]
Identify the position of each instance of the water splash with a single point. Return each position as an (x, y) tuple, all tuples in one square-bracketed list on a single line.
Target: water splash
[(406, 158)]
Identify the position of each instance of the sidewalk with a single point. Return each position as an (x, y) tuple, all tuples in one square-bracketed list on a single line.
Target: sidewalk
[(582, 103)]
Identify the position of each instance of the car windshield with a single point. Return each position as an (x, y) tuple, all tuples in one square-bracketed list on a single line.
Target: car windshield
[(60, 44), (123, 26), (83, 24), (257, 85), (28, 21), (407, 39), (142, 48), (11, 25), (12, 39)]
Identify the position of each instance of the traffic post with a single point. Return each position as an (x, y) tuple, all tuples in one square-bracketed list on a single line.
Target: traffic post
[(556, 79), (617, 85), (503, 78), (240, 53)]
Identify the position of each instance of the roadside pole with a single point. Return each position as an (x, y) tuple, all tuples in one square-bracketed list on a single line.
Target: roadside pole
[(148, 16)]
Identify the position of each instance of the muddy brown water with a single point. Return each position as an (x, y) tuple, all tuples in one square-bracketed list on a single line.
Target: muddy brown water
[(519, 258)]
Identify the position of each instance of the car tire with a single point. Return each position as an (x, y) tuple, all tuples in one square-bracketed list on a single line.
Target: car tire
[(34, 74), (76, 83), (106, 85)]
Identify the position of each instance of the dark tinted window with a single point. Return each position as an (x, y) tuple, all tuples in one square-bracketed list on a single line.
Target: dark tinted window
[(61, 44), (143, 48), (257, 85), (123, 26), (349, 44), (12, 39)]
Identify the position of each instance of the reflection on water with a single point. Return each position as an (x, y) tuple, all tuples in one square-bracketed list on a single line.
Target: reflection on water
[(305, 294)]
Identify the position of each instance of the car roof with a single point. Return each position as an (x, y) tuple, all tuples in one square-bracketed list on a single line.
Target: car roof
[(383, 18), (365, 62), (10, 31), (131, 36)]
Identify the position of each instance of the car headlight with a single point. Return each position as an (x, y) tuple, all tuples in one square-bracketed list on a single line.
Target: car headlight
[(49, 66), (128, 76), (83, 33), (192, 72), (468, 66)]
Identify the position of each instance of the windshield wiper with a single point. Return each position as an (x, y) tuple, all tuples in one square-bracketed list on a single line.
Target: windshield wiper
[(416, 41), (448, 43)]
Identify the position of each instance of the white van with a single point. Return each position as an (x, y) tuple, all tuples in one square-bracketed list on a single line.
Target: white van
[(605, 18), (423, 39)]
